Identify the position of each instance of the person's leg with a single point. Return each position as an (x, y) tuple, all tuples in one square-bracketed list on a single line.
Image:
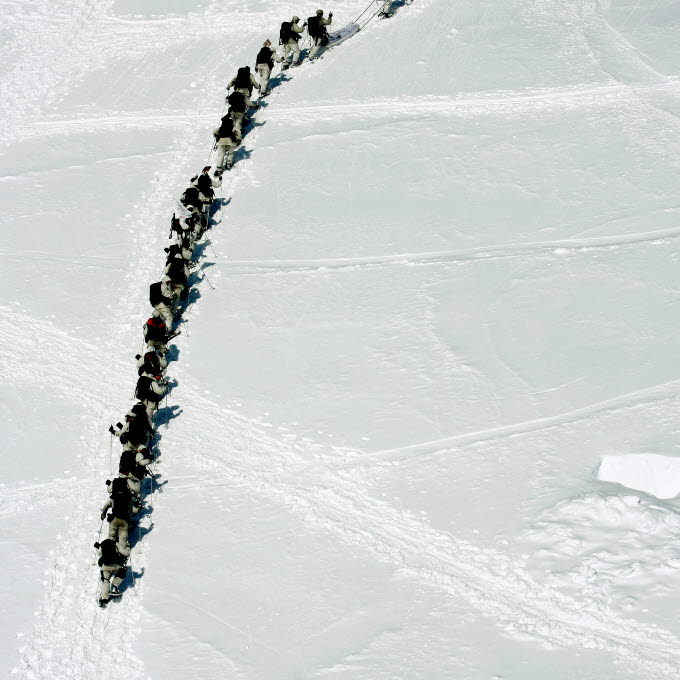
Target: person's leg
[(117, 579), (230, 154), (104, 584), (265, 72), (165, 313), (122, 536)]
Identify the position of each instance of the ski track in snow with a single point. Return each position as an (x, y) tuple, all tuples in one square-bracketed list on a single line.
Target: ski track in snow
[(48, 52), (72, 637), (556, 248), (339, 501), (28, 497), (405, 107)]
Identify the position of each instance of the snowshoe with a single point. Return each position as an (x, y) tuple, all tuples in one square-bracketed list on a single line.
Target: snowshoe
[(103, 603), (115, 592)]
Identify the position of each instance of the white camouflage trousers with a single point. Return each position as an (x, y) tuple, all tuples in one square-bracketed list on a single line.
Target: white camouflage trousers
[(265, 72), (118, 531), (291, 48), (108, 571), (166, 314), (225, 149)]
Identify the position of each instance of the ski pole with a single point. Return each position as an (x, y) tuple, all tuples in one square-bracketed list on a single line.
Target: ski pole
[(99, 535), (110, 454), (207, 279), (211, 248)]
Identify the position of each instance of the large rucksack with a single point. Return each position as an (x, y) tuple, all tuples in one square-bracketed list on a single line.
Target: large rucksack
[(314, 27), (120, 493), (127, 462), (176, 271), (155, 330), (237, 102), (156, 296), (143, 391), (243, 81), (226, 128), (264, 56), (204, 185), (110, 554), (138, 433), (285, 34), (191, 198)]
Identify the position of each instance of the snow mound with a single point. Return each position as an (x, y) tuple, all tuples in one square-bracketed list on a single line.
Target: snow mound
[(650, 472), (608, 550)]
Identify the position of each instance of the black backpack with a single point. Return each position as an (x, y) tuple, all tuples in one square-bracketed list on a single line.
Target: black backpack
[(144, 390), (243, 79), (120, 491), (138, 433), (156, 296), (237, 101), (176, 271), (155, 330), (204, 185), (191, 198), (139, 471), (285, 34), (110, 554), (314, 27), (264, 56), (227, 124), (127, 462)]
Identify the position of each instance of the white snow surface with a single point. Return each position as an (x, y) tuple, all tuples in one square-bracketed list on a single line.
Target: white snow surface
[(656, 475), (446, 285)]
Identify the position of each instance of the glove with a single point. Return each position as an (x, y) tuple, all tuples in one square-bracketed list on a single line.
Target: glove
[(103, 515), (112, 431), (330, 15)]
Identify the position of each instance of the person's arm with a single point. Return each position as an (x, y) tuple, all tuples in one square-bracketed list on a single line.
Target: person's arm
[(254, 82), (327, 22), (141, 460), (106, 506), (165, 289)]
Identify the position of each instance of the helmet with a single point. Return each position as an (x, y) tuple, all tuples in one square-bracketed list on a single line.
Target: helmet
[(295, 19), (319, 12)]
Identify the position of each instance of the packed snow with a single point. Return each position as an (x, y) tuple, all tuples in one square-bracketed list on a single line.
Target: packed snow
[(445, 302), (650, 472)]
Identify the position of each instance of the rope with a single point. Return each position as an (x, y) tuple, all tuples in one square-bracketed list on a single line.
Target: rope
[(374, 15), (356, 21)]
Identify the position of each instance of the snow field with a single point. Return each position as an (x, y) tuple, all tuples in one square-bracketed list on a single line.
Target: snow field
[(394, 400)]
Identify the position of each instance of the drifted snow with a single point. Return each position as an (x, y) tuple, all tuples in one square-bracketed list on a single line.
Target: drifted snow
[(657, 475)]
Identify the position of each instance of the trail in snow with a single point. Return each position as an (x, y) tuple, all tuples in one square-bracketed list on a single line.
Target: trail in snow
[(556, 248), (339, 501), (92, 642)]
